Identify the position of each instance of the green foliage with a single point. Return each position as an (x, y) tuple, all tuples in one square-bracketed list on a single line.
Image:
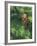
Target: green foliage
[(17, 29), (19, 9)]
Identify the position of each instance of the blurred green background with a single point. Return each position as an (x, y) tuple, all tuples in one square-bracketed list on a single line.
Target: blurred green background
[(17, 29)]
